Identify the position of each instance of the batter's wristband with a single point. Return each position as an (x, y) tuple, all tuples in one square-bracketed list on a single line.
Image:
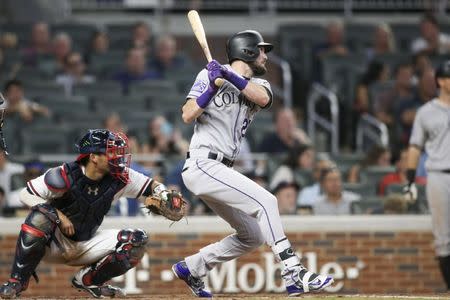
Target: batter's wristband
[(411, 175), (238, 81), (204, 99)]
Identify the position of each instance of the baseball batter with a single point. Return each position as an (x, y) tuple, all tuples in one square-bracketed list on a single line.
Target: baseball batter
[(431, 132), (68, 204), (222, 116)]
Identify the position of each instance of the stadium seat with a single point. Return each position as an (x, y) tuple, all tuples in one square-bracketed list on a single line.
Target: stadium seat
[(367, 205), (296, 45), (363, 189), (80, 33), (303, 177), (120, 104), (404, 34), (373, 175), (98, 89), (359, 36), (46, 140)]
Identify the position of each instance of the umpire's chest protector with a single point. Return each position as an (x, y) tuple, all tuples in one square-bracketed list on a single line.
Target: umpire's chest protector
[(87, 201)]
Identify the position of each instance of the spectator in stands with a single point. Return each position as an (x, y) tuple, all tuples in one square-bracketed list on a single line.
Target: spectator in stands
[(33, 169), (62, 46), (383, 42), (395, 204), (406, 111), (286, 193), (164, 138), (421, 62), (309, 195), (17, 104), (333, 46), (166, 60), (334, 200), (74, 73), (287, 134), (8, 40), (142, 37), (113, 122), (98, 45), (399, 177), (299, 158), (431, 41), (7, 170), (387, 102), (135, 69), (40, 44), (377, 72), (378, 156)]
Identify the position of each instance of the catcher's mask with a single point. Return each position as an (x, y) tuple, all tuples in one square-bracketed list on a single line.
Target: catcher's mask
[(113, 144)]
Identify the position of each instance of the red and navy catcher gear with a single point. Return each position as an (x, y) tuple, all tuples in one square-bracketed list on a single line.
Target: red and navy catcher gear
[(113, 144)]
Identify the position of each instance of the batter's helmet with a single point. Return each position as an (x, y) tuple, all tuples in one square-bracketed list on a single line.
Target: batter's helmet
[(245, 46), (113, 144)]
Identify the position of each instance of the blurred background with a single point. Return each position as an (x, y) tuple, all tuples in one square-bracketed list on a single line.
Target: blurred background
[(348, 77)]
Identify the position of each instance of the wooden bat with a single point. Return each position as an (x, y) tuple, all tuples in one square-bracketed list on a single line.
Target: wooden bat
[(199, 32)]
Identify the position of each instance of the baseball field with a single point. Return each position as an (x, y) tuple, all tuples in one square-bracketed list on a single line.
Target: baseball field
[(276, 296)]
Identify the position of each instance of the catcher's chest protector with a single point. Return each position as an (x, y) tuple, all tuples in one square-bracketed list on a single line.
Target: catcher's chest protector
[(86, 202)]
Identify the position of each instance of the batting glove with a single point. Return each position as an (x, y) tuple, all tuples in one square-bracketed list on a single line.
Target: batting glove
[(410, 192)]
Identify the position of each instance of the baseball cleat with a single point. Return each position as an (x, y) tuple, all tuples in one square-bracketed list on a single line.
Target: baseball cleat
[(300, 281), (196, 285), (11, 289), (97, 291)]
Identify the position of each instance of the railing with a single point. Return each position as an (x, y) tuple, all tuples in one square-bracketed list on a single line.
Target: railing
[(373, 129), (286, 75), (348, 7), (314, 119)]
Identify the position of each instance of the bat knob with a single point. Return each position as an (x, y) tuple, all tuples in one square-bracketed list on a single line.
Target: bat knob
[(219, 82)]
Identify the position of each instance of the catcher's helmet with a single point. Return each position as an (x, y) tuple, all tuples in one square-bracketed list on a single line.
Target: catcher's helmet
[(113, 144), (245, 45)]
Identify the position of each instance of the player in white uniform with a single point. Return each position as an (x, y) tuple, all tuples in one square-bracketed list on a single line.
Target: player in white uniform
[(68, 204), (431, 132), (222, 117)]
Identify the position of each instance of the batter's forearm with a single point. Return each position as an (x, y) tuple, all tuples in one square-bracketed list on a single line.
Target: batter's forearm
[(191, 111), (29, 199), (257, 94)]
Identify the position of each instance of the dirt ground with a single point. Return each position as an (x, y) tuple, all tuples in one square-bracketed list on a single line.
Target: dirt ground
[(270, 296)]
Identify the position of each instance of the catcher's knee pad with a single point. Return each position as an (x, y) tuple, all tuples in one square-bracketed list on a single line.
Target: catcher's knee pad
[(130, 248), (35, 234)]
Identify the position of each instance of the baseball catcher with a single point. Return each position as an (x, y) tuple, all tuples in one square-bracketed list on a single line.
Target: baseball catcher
[(68, 204)]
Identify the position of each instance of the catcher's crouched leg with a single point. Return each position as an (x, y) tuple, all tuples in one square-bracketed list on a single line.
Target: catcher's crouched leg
[(130, 248), (35, 234)]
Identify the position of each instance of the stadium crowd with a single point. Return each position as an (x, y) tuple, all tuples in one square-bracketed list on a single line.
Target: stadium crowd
[(128, 79)]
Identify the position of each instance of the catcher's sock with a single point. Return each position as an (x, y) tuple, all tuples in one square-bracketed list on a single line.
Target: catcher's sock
[(284, 252), (444, 264)]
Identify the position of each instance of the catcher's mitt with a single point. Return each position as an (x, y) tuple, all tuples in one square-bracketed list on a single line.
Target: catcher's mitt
[(169, 204)]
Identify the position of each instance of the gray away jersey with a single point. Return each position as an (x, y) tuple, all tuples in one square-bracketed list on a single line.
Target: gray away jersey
[(225, 120), (431, 130)]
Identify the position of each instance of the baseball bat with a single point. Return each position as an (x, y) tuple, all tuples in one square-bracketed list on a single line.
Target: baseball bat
[(199, 32)]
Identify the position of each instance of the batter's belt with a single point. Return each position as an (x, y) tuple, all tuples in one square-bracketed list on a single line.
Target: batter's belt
[(211, 155)]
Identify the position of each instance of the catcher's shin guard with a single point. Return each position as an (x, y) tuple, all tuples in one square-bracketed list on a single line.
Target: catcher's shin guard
[(34, 236), (130, 248)]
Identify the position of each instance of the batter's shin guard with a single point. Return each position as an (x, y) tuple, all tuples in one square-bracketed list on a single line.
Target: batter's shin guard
[(130, 248), (444, 264), (34, 236)]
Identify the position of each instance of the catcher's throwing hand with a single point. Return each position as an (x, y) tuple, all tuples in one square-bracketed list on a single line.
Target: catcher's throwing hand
[(65, 224), (169, 204)]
